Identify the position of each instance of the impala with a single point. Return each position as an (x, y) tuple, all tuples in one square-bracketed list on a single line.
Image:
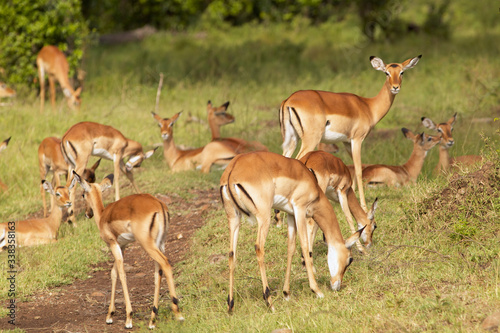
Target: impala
[(334, 179), (3, 145), (217, 117), (256, 182), (399, 175), (319, 116), (190, 159), (52, 62), (138, 217), (38, 231), (445, 161), (50, 158), (5, 91), (87, 139)]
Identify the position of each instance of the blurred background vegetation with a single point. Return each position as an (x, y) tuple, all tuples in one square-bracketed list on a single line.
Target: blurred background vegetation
[(73, 25)]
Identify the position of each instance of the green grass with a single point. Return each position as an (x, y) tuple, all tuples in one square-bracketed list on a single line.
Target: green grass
[(439, 274)]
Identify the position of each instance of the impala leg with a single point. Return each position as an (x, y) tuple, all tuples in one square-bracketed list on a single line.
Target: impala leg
[(41, 79), (118, 255), (117, 160), (262, 231), (130, 176), (309, 143), (234, 227), (112, 309), (52, 87), (356, 157), (304, 244), (344, 204), (292, 241), (312, 229)]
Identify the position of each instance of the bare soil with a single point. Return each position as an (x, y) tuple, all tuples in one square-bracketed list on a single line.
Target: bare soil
[(82, 306)]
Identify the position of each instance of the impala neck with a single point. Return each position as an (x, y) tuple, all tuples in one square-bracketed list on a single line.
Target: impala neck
[(97, 206), (444, 159), (55, 218), (133, 148), (323, 215), (356, 210), (215, 129), (170, 151), (381, 104), (415, 163)]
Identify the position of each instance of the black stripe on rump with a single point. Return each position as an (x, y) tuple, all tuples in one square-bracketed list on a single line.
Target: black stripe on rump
[(298, 119), (235, 201)]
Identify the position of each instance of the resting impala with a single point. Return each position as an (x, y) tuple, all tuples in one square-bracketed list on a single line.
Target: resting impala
[(50, 158), (334, 179), (139, 217), (217, 117), (256, 182), (399, 175), (6, 91), (190, 159), (87, 139), (38, 231), (319, 116), (52, 62), (3, 145), (445, 161)]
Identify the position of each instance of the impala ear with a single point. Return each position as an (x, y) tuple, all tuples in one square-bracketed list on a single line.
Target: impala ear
[(81, 181), (225, 105), (47, 186), (428, 123), (349, 242), (78, 91), (451, 121), (371, 212), (96, 164), (107, 182), (157, 117), (377, 63), (410, 63), (150, 153), (73, 183), (407, 133)]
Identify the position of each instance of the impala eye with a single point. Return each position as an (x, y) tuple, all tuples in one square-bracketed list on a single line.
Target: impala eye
[(401, 74)]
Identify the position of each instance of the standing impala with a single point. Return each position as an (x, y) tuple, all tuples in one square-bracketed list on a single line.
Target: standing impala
[(87, 139), (334, 179), (181, 160), (52, 62), (320, 116), (218, 117), (137, 217), (3, 145), (399, 175), (50, 158), (256, 182), (445, 161), (39, 231)]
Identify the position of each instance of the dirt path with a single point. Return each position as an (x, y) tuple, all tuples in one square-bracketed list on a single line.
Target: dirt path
[(82, 306)]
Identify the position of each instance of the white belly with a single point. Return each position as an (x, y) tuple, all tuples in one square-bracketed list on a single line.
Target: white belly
[(125, 238), (332, 136), (282, 203), (102, 153)]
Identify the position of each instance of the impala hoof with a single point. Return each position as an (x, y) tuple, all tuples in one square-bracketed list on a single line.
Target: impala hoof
[(319, 294), (109, 321)]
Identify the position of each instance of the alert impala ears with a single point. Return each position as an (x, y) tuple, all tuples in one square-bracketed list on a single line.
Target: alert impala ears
[(349, 242)]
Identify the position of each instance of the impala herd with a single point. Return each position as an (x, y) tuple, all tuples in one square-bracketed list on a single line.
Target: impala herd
[(254, 181)]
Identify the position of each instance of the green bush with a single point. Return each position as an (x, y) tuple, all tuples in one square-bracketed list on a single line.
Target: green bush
[(28, 25)]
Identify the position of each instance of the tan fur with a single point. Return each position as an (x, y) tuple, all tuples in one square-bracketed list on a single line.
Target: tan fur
[(399, 175), (52, 62), (39, 231), (218, 117), (3, 146), (6, 91), (311, 115), (50, 159), (447, 163), (256, 182), (190, 159), (138, 217)]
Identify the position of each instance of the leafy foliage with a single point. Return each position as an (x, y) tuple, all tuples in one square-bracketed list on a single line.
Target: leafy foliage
[(28, 25)]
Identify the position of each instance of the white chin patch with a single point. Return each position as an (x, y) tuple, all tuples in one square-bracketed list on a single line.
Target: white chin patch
[(336, 285)]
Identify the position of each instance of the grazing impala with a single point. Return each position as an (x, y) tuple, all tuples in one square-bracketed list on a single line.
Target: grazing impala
[(39, 231), (217, 117), (87, 139), (334, 179), (50, 158), (319, 116), (399, 175), (182, 160), (3, 145), (139, 217), (52, 62), (445, 161), (256, 182)]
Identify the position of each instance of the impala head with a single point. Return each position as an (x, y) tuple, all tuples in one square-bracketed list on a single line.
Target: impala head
[(166, 125), (4, 144), (339, 258), (394, 71), (92, 189), (89, 174), (6, 91), (60, 193), (73, 98), (444, 129), (136, 160), (219, 115), (426, 142), (369, 228)]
